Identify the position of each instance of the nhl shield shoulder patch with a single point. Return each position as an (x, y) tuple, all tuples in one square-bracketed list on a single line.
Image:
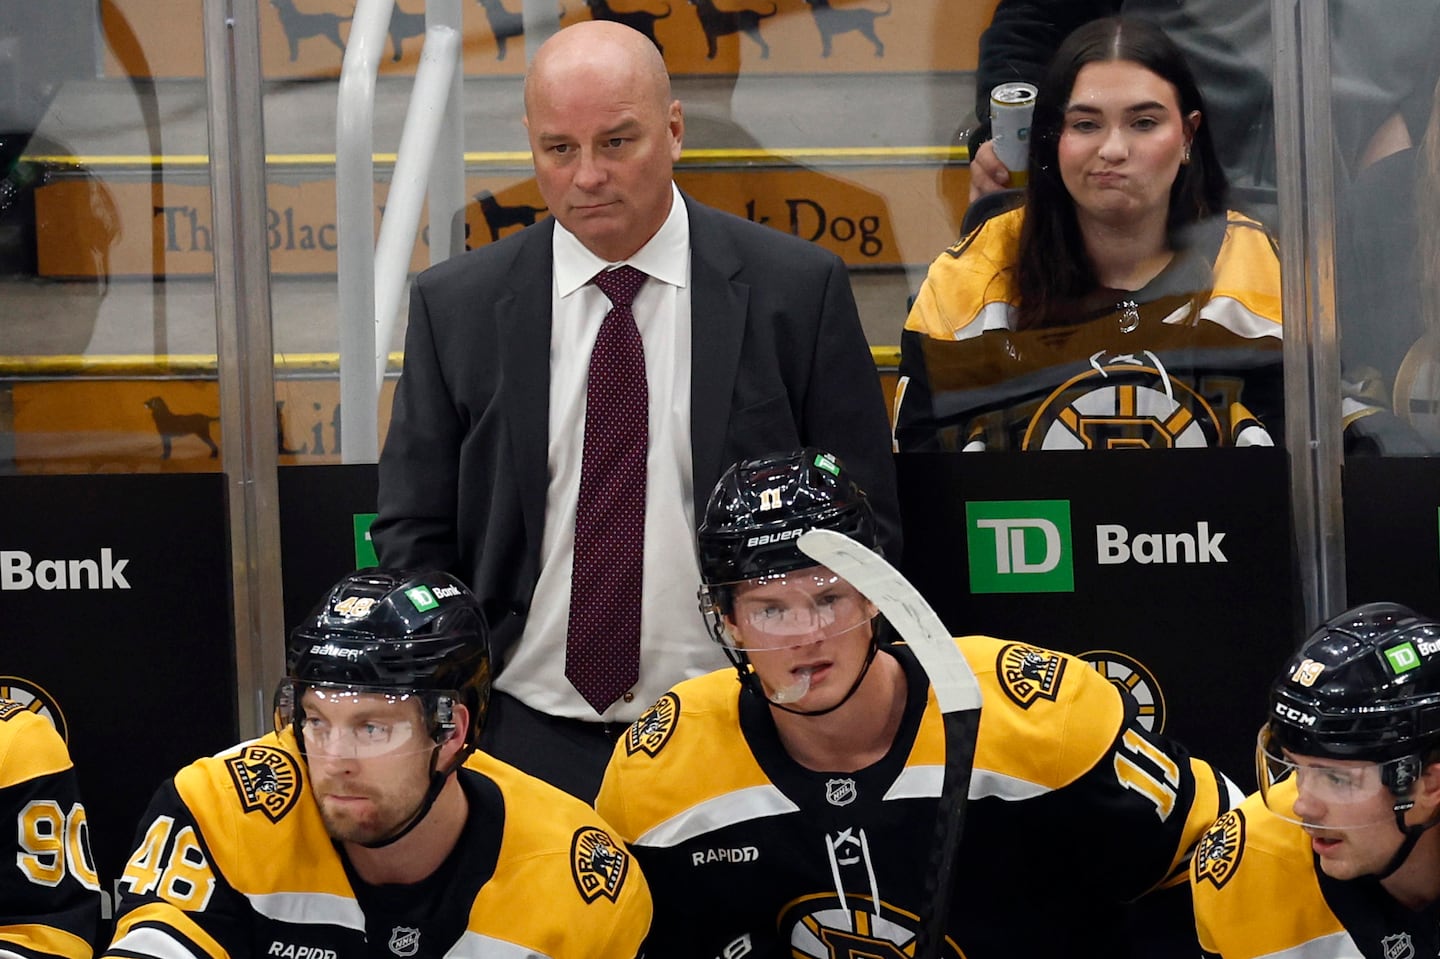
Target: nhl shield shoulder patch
[(267, 780), (599, 864), (1217, 855), (1028, 673), (653, 729)]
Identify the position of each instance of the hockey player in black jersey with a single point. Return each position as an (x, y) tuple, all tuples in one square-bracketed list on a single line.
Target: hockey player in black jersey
[(792, 813), (367, 824), (1336, 855), (49, 892)]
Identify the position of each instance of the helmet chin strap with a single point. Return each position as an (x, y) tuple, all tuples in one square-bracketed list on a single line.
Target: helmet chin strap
[(1412, 836), (864, 669), (432, 792)]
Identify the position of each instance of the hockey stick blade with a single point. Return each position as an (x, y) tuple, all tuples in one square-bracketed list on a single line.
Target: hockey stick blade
[(906, 610), (956, 692)]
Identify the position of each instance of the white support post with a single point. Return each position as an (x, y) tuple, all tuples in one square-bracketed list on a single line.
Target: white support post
[(355, 224), (423, 120)]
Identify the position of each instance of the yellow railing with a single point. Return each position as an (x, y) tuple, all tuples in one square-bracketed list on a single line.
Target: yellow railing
[(203, 365)]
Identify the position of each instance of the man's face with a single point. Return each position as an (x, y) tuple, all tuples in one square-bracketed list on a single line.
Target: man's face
[(604, 144), (369, 761), (1348, 812), (807, 635)]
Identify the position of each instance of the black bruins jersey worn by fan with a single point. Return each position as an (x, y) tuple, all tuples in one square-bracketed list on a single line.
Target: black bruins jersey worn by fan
[(1074, 808), (49, 892), (1193, 359), (233, 861), (1258, 893)]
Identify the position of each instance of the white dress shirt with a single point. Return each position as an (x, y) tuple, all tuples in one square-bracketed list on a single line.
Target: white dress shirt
[(674, 641)]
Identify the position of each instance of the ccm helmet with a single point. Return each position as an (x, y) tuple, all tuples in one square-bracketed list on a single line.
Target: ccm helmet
[(1364, 690), (1365, 685), (757, 512), (399, 633)]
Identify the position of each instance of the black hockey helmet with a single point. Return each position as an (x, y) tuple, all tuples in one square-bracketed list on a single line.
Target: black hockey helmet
[(761, 506), (395, 632), (1365, 685), (1362, 697), (756, 513)]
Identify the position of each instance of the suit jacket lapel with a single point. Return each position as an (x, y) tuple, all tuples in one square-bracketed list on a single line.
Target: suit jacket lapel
[(718, 306), (523, 320)]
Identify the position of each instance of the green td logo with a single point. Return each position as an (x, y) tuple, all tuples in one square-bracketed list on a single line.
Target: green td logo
[(422, 599), (1402, 658), (1020, 546)]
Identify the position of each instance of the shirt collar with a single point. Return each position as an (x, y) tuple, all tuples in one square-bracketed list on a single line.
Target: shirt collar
[(665, 257)]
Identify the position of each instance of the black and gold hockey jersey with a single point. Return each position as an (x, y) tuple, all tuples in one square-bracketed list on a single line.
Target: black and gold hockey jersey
[(1074, 808), (49, 892), (1258, 892), (1193, 359), (233, 860)]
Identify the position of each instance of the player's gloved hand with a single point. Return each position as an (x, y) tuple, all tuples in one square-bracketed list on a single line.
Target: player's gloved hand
[(987, 173)]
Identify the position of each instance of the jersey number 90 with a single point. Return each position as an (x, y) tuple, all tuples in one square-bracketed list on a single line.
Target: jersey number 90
[(54, 842)]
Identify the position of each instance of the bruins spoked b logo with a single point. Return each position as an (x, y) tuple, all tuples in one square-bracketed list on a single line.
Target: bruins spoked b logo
[(1123, 402), (1130, 675), (653, 729), (267, 780), (17, 695), (822, 927), (599, 864)]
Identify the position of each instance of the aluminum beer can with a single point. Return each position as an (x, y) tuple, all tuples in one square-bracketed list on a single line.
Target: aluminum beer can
[(1011, 107)]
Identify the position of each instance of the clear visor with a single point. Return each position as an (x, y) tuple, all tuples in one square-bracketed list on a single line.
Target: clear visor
[(358, 722), (1322, 793), (787, 610)]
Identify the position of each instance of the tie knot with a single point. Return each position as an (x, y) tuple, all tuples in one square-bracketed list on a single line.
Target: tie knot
[(620, 284)]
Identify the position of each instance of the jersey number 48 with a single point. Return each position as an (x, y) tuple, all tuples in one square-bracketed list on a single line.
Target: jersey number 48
[(175, 870)]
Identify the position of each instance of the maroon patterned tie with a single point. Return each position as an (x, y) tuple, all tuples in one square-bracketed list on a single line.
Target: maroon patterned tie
[(602, 649)]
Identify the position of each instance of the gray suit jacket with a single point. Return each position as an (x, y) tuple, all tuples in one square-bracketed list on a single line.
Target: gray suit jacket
[(778, 361)]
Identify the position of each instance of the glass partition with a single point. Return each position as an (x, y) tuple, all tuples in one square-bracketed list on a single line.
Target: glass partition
[(105, 272), (1386, 107), (1115, 287), (840, 125), (108, 342), (1387, 197)]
